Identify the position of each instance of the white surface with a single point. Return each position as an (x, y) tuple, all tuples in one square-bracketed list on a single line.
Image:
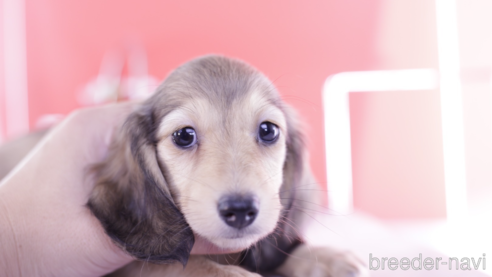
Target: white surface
[(366, 235)]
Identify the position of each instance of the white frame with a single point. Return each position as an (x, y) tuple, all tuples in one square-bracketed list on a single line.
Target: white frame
[(337, 128)]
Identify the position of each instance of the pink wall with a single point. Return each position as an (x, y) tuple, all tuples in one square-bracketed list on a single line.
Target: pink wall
[(397, 146), (397, 151), (295, 44), (398, 154)]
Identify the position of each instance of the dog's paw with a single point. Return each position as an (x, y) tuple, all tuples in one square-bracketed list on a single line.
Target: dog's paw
[(346, 264), (308, 261)]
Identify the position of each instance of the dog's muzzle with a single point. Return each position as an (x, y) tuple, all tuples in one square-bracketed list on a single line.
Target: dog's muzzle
[(238, 211)]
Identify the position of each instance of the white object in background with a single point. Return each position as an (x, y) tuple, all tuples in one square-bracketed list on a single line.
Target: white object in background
[(139, 84), (104, 88), (337, 121), (15, 68), (109, 86), (48, 120), (451, 110)]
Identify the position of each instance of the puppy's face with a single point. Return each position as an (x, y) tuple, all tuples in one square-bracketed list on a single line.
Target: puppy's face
[(213, 149), (224, 165)]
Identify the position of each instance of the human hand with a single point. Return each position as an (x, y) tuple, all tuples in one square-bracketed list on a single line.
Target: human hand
[(45, 227)]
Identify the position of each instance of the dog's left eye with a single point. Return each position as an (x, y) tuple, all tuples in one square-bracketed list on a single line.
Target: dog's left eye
[(268, 132), (185, 137)]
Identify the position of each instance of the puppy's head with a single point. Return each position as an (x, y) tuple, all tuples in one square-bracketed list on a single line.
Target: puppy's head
[(214, 149)]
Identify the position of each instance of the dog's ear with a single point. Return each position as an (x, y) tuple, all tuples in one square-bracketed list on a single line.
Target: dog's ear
[(299, 186), (298, 189), (295, 164), (132, 200)]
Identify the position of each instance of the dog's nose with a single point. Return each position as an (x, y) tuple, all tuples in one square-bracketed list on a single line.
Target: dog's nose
[(238, 211)]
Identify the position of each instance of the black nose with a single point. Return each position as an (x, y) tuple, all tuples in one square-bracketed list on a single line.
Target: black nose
[(238, 211)]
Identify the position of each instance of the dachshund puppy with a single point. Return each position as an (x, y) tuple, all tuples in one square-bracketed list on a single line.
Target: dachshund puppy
[(215, 153)]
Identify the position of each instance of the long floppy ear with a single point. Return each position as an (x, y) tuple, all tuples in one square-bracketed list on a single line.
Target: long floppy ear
[(272, 251), (132, 200)]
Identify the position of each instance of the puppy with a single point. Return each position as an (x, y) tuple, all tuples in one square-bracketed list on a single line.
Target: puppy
[(215, 153)]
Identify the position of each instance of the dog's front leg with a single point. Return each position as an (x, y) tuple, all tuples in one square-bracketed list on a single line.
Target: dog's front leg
[(307, 261), (197, 266)]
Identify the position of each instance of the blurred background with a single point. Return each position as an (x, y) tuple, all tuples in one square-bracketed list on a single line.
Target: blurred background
[(57, 56)]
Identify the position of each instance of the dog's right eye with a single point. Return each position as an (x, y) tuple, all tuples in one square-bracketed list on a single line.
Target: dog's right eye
[(185, 137), (268, 132)]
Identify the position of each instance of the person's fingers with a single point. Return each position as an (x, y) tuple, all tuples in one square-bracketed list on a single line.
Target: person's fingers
[(47, 193), (93, 127), (77, 142)]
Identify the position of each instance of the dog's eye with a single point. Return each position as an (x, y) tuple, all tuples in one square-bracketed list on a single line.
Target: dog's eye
[(268, 132), (185, 137)]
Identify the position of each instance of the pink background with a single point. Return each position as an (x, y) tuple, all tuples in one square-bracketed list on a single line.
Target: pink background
[(397, 149)]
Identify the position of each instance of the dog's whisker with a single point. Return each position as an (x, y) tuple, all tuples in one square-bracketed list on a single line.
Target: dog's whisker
[(313, 218), (306, 187), (293, 225), (144, 264), (269, 178), (305, 201), (313, 210)]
